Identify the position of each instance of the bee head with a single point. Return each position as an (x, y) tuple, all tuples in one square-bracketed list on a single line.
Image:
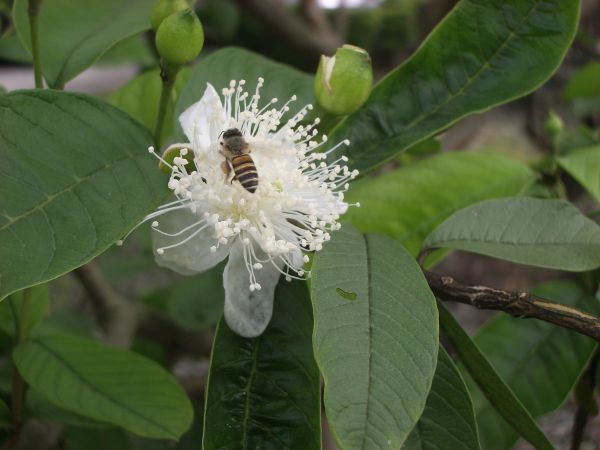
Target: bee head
[(233, 142), (231, 132)]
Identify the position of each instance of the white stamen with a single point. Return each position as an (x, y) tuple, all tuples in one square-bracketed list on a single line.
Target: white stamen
[(300, 194)]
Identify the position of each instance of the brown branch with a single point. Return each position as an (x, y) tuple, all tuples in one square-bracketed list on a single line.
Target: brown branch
[(116, 316), (517, 304), (307, 39)]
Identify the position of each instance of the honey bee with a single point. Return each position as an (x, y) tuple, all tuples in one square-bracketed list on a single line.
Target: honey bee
[(238, 164)]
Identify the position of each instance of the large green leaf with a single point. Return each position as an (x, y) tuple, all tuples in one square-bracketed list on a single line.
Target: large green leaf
[(106, 384), (375, 338), (408, 203), (233, 63), (75, 33), (491, 384), (544, 233), (584, 166), (540, 362), (265, 392), (485, 52), (448, 420), (75, 175), (140, 96)]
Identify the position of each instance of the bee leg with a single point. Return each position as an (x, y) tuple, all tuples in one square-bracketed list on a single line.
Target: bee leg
[(228, 171)]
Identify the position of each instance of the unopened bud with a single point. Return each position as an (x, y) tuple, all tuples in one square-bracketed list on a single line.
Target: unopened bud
[(164, 8), (553, 125), (343, 81), (180, 37)]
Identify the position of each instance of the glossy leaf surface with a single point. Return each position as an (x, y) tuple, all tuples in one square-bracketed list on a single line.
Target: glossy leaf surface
[(495, 389), (75, 33), (448, 420), (544, 233), (375, 338), (106, 384), (485, 52), (408, 203), (539, 361), (72, 185), (265, 392)]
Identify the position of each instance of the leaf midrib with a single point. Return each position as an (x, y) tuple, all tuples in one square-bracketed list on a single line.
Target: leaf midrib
[(97, 391), (370, 340), (248, 390), (58, 79)]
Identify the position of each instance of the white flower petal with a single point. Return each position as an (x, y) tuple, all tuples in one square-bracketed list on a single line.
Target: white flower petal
[(204, 120), (248, 313), (193, 256)]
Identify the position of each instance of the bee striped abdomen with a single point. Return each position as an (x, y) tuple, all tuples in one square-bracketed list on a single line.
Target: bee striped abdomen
[(245, 172)]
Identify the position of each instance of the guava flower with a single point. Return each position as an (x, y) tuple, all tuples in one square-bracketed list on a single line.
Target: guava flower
[(266, 233)]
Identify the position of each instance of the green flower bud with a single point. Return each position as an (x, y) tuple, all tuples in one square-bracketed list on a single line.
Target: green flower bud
[(164, 8), (553, 125), (180, 37), (343, 81), (172, 152)]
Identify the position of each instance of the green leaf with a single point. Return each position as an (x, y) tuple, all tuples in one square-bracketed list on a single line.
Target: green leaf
[(233, 63), (136, 49), (484, 53), (408, 203), (40, 408), (75, 33), (12, 50), (584, 83), (10, 310), (375, 338), (539, 361), (106, 384), (75, 176), (140, 97), (448, 420), (265, 392), (491, 384), (584, 166), (544, 233)]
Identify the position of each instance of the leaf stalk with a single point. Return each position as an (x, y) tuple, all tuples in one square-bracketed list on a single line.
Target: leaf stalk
[(168, 75), (33, 11), (18, 384)]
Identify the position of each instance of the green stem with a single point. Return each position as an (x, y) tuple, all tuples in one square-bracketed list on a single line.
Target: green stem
[(18, 384), (168, 74), (33, 10)]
